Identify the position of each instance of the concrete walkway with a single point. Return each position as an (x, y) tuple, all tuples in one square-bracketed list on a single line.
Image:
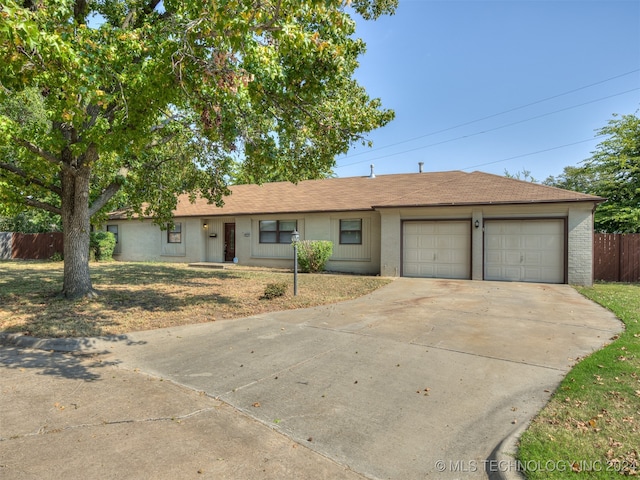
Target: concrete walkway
[(421, 379)]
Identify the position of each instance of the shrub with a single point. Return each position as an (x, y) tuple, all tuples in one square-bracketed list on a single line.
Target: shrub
[(102, 245), (56, 257), (273, 290), (313, 255)]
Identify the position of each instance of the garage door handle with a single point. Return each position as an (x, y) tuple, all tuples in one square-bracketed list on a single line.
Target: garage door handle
[(521, 258)]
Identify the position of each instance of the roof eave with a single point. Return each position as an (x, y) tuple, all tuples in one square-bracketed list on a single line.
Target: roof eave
[(241, 213), (515, 202)]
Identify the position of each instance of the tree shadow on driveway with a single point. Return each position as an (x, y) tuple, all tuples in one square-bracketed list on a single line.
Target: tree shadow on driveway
[(65, 365)]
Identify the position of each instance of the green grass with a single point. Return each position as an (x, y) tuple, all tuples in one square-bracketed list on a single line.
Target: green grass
[(145, 296), (591, 426)]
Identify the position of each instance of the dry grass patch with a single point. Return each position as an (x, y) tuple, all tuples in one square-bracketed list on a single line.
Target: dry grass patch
[(145, 296)]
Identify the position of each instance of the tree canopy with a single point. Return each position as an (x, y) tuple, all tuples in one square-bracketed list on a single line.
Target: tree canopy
[(613, 172), (111, 102)]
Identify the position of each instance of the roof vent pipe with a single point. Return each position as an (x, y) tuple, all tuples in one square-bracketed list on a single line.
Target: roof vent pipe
[(372, 175), (420, 165)]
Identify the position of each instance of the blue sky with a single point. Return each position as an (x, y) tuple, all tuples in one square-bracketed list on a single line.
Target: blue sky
[(541, 76)]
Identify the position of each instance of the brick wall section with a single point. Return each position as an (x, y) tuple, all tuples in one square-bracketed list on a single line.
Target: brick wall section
[(580, 260)]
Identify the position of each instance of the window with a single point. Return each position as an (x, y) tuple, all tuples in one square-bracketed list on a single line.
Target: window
[(113, 229), (276, 231), (351, 232), (174, 235)]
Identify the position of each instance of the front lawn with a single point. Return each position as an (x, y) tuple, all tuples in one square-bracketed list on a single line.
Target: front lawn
[(591, 426), (144, 296)]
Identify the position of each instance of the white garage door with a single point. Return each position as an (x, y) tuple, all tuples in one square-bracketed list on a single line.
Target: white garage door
[(437, 249), (524, 250)]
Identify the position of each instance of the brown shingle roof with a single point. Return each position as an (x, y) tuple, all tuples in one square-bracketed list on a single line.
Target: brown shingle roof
[(365, 193)]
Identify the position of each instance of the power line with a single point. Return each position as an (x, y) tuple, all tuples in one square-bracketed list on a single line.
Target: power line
[(529, 154), (487, 117), (489, 130)]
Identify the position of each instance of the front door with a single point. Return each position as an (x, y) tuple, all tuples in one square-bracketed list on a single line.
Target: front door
[(229, 242)]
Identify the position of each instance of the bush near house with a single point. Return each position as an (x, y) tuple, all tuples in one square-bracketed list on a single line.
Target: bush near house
[(102, 245), (313, 255)]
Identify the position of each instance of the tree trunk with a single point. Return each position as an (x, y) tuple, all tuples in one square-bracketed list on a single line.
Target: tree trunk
[(76, 229)]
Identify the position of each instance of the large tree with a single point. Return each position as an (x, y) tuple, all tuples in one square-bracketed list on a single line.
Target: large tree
[(148, 99), (613, 172)]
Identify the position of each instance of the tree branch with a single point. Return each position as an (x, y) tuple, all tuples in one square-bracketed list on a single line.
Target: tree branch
[(49, 157), (32, 202), (161, 141), (269, 26), (151, 6), (80, 11), (146, 10), (106, 195), (21, 173)]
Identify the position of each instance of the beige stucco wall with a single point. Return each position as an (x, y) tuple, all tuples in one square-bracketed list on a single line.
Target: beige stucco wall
[(363, 258), (144, 241), (380, 252)]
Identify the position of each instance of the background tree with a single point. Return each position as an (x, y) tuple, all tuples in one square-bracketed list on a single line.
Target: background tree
[(30, 221), (149, 99), (524, 175), (27, 109), (613, 172)]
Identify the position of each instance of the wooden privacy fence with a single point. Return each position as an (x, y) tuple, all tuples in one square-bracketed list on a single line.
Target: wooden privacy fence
[(30, 246), (616, 257)]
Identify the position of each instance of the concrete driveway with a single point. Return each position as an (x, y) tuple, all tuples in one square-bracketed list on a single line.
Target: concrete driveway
[(420, 379)]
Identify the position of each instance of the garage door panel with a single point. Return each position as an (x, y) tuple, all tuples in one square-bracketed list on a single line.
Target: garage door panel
[(512, 258), (511, 242), (453, 271), (412, 255), (411, 228), (534, 275), (411, 242), (524, 250), (535, 258), (426, 229), (411, 270), (427, 271), (492, 243), (453, 228), (426, 241), (512, 274), (437, 249), (532, 241), (492, 257), (427, 255)]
